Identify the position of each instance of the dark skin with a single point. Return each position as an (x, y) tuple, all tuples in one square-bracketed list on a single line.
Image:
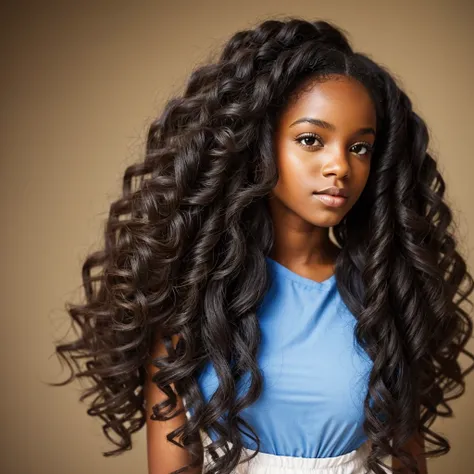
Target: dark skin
[(307, 163), (310, 158)]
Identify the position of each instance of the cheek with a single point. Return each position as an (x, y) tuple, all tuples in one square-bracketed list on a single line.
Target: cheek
[(293, 172), (361, 179), (365, 175)]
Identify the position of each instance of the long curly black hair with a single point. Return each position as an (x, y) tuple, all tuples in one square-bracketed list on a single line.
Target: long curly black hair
[(185, 249)]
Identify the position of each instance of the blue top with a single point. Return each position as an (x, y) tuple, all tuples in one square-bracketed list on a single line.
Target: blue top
[(315, 374)]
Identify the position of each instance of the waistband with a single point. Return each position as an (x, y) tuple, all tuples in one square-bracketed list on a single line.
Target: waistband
[(353, 459)]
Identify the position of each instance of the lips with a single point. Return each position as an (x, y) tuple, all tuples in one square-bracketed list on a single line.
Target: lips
[(334, 191), (331, 201)]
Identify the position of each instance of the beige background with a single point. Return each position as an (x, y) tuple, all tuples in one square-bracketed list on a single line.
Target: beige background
[(80, 83)]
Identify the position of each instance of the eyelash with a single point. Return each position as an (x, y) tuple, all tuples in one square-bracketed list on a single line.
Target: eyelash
[(369, 147)]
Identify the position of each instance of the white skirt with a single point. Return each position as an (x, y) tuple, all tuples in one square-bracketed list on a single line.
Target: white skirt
[(264, 463)]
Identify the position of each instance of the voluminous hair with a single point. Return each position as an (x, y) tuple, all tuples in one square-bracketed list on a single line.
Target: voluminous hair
[(185, 248)]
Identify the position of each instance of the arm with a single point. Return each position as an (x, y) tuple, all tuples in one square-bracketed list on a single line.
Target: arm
[(415, 445), (163, 457)]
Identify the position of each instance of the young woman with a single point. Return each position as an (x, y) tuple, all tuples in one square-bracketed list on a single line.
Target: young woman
[(281, 288)]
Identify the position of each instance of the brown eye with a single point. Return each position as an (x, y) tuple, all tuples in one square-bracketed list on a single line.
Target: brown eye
[(311, 137), (367, 147)]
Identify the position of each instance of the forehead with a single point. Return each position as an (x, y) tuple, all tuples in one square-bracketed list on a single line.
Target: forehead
[(340, 100)]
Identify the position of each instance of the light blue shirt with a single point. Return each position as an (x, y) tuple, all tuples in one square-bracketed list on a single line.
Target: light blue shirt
[(315, 374)]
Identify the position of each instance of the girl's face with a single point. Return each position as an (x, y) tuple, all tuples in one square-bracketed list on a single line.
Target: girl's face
[(324, 138)]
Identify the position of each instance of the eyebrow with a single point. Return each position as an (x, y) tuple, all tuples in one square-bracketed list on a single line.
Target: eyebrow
[(330, 126)]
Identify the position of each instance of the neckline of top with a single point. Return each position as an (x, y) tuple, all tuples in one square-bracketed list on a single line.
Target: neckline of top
[(290, 274)]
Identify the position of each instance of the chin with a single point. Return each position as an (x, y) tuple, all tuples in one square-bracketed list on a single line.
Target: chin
[(326, 223)]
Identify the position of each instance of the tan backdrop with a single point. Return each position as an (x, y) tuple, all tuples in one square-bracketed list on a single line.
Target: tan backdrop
[(80, 83)]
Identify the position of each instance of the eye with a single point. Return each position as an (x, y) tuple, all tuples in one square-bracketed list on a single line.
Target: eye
[(308, 136), (365, 145)]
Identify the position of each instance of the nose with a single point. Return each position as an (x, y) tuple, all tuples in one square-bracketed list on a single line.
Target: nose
[(336, 165)]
